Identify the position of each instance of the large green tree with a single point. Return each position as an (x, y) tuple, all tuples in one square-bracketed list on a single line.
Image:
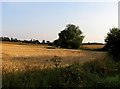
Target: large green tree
[(70, 37), (113, 43)]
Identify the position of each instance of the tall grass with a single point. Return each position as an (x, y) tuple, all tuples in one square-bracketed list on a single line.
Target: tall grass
[(93, 74)]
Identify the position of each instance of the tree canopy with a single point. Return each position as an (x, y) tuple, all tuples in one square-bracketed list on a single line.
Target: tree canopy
[(113, 43), (70, 37)]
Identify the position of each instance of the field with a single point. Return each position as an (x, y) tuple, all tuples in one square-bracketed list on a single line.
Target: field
[(17, 57), (32, 65), (92, 47)]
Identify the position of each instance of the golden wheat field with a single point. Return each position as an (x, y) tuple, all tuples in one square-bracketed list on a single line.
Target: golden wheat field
[(92, 46), (19, 57)]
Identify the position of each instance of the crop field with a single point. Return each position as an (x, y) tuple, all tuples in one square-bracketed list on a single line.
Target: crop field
[(33, 65), (92, 47), (19, 57)]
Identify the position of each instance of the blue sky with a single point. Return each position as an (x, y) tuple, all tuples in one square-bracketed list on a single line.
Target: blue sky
[(44, 20), (0, 18), (59, 0), (119, 14)]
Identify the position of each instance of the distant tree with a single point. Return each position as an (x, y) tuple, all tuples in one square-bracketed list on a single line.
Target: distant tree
[(70, 37), (48, 42), (36, 42), (113, 43), (5, 39), (57, 42), (14, 40), (43, 41), (11, 39)]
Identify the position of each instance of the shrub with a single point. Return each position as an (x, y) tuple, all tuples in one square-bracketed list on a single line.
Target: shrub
[(113, 43)]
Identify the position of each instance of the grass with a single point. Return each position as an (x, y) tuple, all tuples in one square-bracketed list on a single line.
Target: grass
[(38, 66), (74, 76)]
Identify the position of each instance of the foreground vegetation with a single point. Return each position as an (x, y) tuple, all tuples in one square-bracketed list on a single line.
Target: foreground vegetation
[(21, 68), (93, 74)]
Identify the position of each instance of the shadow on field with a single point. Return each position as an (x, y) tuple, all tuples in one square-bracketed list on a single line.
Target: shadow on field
[(91, 74)]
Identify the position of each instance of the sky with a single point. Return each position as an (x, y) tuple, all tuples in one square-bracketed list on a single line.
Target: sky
[(44, 20), (119, 15), (0, 18), (59, 0)]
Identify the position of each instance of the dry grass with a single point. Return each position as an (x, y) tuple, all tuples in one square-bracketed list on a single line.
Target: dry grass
[(16, 57), (92, 46)]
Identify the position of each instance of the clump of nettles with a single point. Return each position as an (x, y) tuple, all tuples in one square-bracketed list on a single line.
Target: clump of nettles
[(56, 60)]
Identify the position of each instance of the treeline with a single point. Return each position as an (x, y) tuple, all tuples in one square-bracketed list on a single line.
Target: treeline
[(93, 43), (38, 42), (34, 41)]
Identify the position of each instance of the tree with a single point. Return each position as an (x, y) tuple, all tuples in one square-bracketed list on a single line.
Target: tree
[(4, 39), (14, 40), (48, 42), (56, 42), (113, 43), (43, 41), (35, 41), (70, 37)]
